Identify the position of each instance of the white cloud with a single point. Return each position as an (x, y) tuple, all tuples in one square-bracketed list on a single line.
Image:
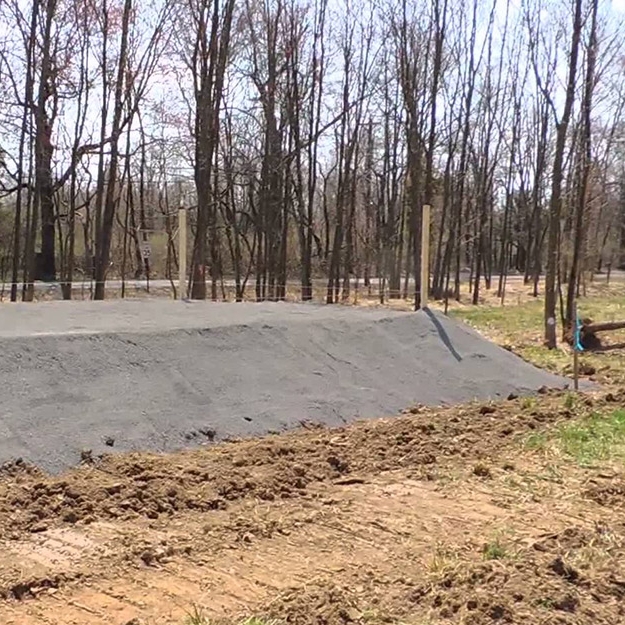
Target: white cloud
[(619, 5)]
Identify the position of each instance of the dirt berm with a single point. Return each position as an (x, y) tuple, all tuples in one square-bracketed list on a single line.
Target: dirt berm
[(96, 377)]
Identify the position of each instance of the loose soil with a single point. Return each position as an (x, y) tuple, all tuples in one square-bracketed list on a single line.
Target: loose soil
[(434, 516)]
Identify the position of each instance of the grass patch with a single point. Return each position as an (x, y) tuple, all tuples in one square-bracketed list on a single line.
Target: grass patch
[(545, 602), (197, 616), (507, 323), (520, 327), (495, 550), (443, 561), (592, 439)]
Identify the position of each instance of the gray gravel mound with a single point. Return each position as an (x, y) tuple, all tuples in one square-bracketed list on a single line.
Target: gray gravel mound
[(175, 375)]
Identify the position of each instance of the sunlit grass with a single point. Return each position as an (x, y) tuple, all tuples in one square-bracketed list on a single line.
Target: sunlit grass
[(590, 440), (520, 327), (196, 616), (495, 550)]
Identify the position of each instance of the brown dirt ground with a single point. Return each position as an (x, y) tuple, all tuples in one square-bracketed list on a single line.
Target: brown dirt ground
[(434, 516)]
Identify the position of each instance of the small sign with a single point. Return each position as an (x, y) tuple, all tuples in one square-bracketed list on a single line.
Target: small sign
[(146, 250)]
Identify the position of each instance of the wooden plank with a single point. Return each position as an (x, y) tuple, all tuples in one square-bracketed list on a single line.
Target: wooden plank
[(425, 257)]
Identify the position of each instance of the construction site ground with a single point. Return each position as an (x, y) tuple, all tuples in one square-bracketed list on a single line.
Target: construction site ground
[(477, 514), (473, 514)]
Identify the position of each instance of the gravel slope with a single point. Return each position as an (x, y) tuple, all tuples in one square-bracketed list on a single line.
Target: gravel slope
[(150, 375)]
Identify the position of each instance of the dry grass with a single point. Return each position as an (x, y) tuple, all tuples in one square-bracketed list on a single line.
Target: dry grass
[(444, 560), (519, 327), (197, 616)]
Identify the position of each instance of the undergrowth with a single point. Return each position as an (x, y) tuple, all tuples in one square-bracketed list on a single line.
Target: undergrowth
[(589, 440), (495, 550), (197, 616), (520, 328)]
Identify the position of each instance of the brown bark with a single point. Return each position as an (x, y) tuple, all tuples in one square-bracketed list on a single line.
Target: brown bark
[(103, 242), (585, 157), (555, 204), (209, 61), (21, 177)]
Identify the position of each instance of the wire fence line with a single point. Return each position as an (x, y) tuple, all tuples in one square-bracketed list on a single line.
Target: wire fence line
[(224, 291)]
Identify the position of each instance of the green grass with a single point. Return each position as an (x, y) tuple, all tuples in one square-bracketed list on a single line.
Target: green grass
[(589, 440), (518, 320), (495, 550), (197, 617), (516, 326), (521, 328), (570, 401), (511, 322)]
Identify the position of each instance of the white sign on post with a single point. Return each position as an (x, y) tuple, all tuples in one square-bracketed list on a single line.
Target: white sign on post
[(146, 250)]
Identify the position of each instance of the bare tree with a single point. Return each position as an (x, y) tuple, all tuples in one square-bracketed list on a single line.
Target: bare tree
[(206, 55), (555, 204), (584, 160)]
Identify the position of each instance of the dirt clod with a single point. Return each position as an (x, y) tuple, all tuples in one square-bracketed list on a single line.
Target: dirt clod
[(567, 603), (86, 456), (564, 570), (586, 369), (612, 494), (338, 464), (321, 605), (487, 409), (378, 523), (481, 470)]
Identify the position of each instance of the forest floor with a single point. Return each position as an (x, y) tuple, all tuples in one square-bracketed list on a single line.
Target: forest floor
[(518, 326), (508, 512)]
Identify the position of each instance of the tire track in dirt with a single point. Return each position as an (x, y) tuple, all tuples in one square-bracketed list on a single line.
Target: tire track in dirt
[(388, 521)]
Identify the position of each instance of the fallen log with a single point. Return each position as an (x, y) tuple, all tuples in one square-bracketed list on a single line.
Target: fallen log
[(590, 329), (605, 326)]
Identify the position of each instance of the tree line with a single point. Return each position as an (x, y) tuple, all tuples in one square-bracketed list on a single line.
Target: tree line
[(304, 137)]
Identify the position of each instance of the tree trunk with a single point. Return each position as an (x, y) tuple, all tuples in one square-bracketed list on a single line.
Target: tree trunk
[(585, 163), (103, 242), (555, 204)]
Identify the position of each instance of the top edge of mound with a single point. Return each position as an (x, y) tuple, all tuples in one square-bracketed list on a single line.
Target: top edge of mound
[(158, 316)]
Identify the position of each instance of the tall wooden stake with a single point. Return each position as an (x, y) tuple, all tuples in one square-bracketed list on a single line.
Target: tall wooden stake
[(182, 251), (575, 350), (425, 257)]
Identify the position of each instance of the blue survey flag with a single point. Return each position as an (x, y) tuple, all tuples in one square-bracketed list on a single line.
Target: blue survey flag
[(578, 334)]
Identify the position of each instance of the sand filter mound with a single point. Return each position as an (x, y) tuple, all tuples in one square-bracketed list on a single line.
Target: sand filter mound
[(163, 375)]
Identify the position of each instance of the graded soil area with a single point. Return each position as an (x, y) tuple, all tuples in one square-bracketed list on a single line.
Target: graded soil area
[(86, 378), (436, 516)]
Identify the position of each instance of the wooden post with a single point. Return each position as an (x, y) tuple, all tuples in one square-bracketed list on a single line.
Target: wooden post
[(575, 350), (425, 257), (182, 251)]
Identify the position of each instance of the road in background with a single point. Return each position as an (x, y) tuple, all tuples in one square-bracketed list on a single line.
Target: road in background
[(85, 286)]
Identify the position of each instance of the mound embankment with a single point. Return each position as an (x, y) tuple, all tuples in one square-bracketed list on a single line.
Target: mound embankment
[(97, 377)]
